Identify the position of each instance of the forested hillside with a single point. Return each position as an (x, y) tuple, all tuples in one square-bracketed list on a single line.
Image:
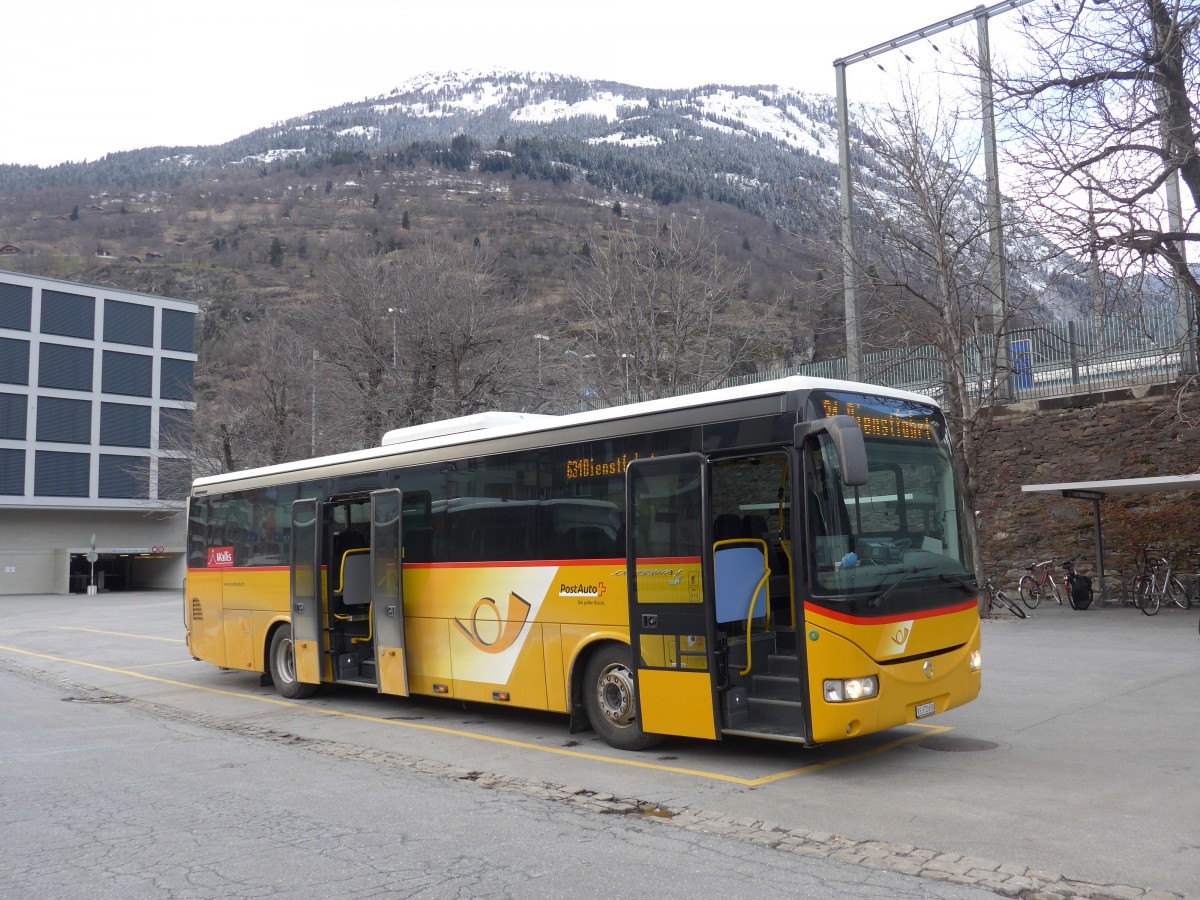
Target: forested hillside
[(526, 242)]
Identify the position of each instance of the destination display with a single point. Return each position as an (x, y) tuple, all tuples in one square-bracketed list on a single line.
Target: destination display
[(886, 417)]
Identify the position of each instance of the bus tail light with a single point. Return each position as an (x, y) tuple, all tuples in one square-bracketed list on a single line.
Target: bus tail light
[(842, 690)]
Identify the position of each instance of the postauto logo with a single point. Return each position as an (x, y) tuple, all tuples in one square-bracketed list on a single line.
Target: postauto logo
[(509, 627)]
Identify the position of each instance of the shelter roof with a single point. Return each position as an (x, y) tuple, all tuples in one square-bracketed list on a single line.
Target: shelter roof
[(1084, 489)]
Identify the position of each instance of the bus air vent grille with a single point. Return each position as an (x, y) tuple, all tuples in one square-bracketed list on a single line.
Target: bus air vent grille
[(197, 610)]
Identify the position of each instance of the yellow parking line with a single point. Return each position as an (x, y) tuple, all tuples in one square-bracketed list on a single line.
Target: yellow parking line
[(144, 637), (438, 729), (177, 662)]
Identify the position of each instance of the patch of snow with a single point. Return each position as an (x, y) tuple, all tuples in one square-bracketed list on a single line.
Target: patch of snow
[(603, 105), (791, 127), (271, 156), (634, 140)]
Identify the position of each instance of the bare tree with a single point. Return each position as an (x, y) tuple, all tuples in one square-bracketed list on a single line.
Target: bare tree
[(663, 313), (251, 411), (925, 245), (459, 334), (407, 338), (1104, 126)]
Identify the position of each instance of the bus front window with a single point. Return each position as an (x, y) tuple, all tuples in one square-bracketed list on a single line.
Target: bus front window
[(905, 523)]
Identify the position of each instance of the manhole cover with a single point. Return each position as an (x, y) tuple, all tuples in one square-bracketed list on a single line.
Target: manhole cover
[(956, 744)]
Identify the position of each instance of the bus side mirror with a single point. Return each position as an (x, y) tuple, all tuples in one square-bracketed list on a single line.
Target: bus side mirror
[(848, 443)]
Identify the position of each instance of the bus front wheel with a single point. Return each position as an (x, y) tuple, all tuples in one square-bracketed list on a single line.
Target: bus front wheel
[(611, 701), (283, 666)]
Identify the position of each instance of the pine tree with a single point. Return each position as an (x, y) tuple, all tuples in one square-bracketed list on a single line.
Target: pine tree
[(275, 255), (404, 221)]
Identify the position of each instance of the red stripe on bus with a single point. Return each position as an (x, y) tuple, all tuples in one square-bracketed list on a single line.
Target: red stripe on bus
[(887, 620)]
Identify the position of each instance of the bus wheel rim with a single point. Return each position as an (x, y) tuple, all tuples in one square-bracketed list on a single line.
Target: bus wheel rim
[(614, 691), (286, 661)]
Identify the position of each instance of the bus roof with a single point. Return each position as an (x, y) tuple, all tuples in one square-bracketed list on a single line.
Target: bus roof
[(487, 426)]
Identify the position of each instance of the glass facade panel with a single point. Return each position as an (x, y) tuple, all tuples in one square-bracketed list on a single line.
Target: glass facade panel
[(178, 331), (174, 429), (127, 373), (60, 474), (128, 323), (124, 425), (176, 379), (14, 412), (124, 477), (71, 315), (12, 471), (174, 479), (16, 300), (14, 361), (65, 421), (68, 368)]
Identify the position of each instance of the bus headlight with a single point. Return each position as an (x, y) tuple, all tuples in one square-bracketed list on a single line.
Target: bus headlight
[(976, 661), (842, 690)]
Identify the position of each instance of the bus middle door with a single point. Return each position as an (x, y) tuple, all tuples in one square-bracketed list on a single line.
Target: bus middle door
[(671, 610), (307, 590), (387, 591)]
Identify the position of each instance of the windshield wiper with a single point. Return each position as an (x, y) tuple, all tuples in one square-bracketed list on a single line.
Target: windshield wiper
[(969, 586), (876, 601)]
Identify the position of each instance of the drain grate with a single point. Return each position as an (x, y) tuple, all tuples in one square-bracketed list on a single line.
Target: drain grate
[(956, 744)]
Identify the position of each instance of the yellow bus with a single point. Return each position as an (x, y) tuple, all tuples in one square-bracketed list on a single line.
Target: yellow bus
[(786, 560)]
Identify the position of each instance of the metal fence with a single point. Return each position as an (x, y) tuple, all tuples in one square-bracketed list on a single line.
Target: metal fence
[(1045, 360)]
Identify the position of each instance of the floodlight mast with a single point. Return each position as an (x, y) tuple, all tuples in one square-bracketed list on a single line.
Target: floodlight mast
[(996, 243)]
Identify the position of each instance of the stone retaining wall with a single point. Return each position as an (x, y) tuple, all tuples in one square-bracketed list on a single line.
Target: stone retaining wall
[(1132, 433)]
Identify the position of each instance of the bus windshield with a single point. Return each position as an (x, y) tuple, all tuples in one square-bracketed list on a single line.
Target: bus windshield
[(905, 525)]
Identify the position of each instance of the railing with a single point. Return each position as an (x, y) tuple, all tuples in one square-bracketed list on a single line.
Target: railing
[(1046, 360)]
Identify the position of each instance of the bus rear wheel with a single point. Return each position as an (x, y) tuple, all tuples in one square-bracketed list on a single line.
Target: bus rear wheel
[(611, 701), (283, 666)]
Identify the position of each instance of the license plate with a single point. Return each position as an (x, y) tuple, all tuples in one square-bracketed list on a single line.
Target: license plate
[(926, 709)]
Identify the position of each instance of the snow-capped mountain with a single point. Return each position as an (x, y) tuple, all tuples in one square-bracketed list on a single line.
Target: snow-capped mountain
[(769, 151)]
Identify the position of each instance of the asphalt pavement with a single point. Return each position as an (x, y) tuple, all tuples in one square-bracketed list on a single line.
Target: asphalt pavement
[(1074, 774)]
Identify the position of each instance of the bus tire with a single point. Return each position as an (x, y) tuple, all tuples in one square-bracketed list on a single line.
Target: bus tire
[(609, 698), (282, 663)]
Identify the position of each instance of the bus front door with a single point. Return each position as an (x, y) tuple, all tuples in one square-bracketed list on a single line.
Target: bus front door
[(306, 590), (671, 621), (387, 592)]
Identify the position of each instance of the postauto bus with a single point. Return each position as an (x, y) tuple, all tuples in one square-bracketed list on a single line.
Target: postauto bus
[(786, 560)]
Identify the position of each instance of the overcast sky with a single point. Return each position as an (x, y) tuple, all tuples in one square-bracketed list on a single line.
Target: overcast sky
[(82, 78)]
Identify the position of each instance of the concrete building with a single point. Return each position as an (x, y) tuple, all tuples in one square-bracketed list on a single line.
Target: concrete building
[(96, 392)]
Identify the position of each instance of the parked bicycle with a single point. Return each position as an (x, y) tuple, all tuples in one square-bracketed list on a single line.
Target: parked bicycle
[(1159, 585), (1039, 583), (1143, 563), (998, 600)]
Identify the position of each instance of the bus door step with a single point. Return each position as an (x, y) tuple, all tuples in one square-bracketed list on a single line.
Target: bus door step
[(771, 714)]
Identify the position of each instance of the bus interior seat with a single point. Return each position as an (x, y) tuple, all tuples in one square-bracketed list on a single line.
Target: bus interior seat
[(356, 577), (740, 572), (755, 526), (727, 527)]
